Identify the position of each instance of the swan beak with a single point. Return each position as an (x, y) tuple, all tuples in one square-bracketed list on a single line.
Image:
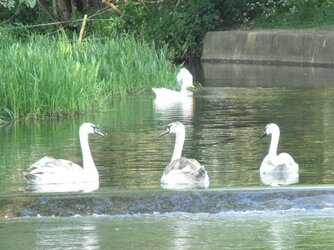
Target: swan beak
[(165, 132), (198, 85), (98, 132), (263, 135), (194, 87)]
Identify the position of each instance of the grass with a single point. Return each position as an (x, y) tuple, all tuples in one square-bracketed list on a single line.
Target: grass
[(44, 77)]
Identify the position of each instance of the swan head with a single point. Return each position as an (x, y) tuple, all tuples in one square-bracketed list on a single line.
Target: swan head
[(173, 128), (184, 76), (90, 128), (185, 79), (270, 129)]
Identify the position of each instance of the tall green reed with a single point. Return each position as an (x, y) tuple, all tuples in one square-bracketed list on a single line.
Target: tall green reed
[(130, 66), (52, 77)]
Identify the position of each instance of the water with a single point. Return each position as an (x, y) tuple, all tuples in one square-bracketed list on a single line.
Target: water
[(223, 124), (256, 230)]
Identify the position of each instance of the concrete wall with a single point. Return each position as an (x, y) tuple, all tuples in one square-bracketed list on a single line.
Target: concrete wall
[(292, 47)]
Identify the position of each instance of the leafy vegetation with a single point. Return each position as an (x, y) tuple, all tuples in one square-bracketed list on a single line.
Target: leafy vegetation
[(48, 74), (277, 13), (43, 77), (177, 25)]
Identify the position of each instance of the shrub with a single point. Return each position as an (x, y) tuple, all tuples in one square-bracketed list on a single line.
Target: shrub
[(181, 27)]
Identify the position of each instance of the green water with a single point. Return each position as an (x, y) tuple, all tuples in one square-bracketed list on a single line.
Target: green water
[(223, 124), (256, 230)]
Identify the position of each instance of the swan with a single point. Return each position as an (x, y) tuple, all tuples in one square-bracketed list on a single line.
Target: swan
[(185, 80), (49, 170), (278, 179), (182, 172), (274, 163)]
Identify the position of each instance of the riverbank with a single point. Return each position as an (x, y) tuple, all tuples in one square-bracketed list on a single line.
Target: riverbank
[(277, 47), (43, 77)]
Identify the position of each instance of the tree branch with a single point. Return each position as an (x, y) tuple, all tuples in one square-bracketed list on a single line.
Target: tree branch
[(112, 6)]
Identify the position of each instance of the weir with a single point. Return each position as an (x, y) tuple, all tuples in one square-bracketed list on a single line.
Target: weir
[(278, 47), (161, 201)]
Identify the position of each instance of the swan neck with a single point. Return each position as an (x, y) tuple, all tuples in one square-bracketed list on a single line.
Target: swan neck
[(184, 88), (274, 143), (88, 163), (178, 147)]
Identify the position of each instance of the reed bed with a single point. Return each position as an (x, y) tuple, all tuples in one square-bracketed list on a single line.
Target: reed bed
[(54, 77)]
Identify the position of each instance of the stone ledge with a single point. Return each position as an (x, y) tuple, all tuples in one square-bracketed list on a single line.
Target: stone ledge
[(160, 201), (276, 47)]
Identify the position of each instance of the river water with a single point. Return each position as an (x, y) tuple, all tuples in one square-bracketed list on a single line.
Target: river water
[(223, 123)]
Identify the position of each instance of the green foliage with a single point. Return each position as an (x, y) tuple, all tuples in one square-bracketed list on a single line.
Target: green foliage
[(10, 4), (22, 21), (278, 13), (43, 77), (179, 27), (130, 65)]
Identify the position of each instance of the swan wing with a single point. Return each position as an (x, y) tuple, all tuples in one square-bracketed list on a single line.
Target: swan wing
[(268, 164), (286, 161), (278, 163), (40, 163), (186, 166), (51, 170), (184, 173), (279, 178)]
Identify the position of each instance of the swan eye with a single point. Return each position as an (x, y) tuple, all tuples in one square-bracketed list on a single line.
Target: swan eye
[(95, 129), (168, 127)]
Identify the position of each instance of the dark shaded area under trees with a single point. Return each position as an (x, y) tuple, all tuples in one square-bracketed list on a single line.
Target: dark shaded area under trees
[(178, 24)]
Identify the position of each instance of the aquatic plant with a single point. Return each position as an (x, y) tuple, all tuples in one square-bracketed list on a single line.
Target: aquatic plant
[(55, 77)]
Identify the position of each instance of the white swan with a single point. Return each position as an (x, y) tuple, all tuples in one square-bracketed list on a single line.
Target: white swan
[(278, 179), (182, 172), (274, 163), (185, 79), (58, 171)]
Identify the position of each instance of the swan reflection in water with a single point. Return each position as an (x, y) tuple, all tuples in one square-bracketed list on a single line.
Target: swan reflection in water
[(72, 187), (169, 108)]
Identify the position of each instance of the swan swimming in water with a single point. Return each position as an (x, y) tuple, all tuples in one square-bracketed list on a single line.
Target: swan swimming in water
[(274, 163), (49, 170), (185, 79), (279, 179), (182, 172)]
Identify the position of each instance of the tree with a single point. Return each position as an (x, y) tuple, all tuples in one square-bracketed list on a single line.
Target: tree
[(10, 4)]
